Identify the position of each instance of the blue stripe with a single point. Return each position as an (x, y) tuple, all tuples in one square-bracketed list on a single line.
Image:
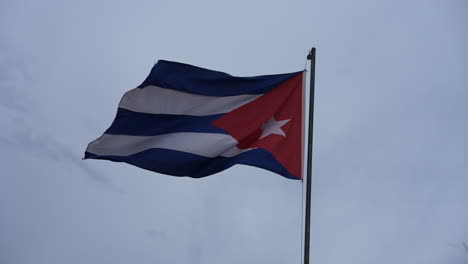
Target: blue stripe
[(142, 124), (178, 163), (196, 80)]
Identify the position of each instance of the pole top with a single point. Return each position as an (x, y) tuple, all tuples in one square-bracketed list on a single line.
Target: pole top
[(311, 54)]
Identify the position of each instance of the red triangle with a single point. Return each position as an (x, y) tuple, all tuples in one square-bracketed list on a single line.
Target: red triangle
[(283, 103)]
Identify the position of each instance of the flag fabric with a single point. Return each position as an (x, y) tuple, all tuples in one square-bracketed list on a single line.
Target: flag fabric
[(184, 120)]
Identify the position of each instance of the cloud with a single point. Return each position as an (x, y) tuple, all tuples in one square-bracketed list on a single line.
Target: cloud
[(22, 126), (155, 234), (14, 77), (390, 162)]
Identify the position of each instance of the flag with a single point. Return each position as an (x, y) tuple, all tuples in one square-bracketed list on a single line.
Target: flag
[(184, 120)]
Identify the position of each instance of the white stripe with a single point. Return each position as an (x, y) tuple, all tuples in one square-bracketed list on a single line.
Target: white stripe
[(157, 100), (204, 144)]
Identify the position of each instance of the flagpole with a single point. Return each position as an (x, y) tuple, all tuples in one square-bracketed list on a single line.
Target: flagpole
[(311, 57)]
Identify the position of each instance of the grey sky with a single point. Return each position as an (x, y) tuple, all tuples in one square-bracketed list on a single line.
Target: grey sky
[(390, 165)]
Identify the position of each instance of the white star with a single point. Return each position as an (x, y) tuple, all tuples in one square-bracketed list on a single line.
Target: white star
[(273, 127)]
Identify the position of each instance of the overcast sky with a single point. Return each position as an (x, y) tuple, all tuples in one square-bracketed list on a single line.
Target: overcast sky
[(390, 149)]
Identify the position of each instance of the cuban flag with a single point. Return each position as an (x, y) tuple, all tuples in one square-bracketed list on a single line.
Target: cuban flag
[(184, 120)]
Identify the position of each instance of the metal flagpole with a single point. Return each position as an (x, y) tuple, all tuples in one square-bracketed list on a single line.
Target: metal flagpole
[(311, 57)]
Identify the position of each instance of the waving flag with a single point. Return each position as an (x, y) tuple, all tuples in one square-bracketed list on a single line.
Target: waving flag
[(189, 121)]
